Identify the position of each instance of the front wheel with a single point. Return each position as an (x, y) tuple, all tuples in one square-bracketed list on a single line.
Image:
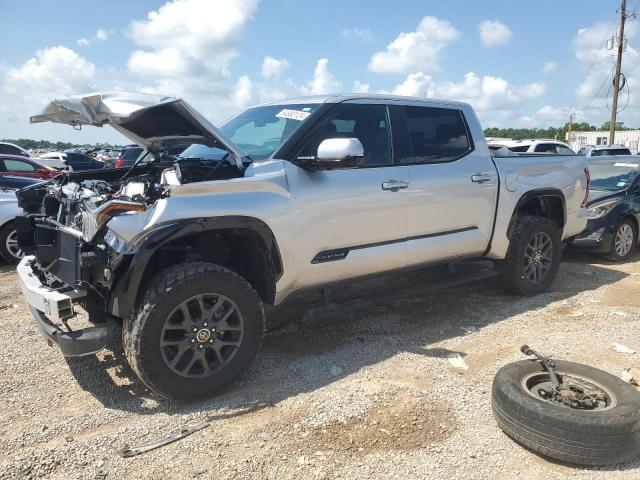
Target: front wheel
[(196, 331), (533, 257), (9, 249), (624, 242), (607, 432)]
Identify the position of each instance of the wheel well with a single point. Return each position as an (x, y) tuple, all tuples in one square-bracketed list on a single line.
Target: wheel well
[(240, 250), (544, 205)]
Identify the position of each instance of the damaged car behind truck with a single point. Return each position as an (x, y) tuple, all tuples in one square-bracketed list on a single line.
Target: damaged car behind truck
[(181, 253)]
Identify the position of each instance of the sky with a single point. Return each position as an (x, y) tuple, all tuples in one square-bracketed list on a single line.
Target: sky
[(519, 64)]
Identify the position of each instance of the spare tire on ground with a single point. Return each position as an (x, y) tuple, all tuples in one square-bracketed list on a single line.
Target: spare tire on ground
[(604, 434)]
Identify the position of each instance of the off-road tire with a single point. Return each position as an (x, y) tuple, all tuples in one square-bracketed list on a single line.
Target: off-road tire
[(596, 437), (612, 255), (141, 332), (6, 255), (512, 268)]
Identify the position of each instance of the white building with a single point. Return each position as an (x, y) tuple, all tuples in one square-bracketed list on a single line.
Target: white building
[(628, 138)]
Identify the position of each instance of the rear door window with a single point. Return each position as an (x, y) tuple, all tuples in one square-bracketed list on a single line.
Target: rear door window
[(10, 150), (520, 149), (18, 166), (546, 148), (437, 135)]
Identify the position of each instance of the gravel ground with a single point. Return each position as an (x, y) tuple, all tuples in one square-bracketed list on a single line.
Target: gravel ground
[(368, 393)]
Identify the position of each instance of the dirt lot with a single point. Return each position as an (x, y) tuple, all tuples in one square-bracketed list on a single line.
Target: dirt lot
[(359, 395)]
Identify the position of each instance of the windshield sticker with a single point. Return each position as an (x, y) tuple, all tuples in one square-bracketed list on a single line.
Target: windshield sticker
[(630, 165), (293, 114)]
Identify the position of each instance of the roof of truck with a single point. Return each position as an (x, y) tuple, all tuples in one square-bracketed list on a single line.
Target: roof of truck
[(338, 98)]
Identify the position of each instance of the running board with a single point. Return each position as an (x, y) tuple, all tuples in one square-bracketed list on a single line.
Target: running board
[(453, 279)]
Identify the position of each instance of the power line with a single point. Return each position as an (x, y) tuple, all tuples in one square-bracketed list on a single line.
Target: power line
[(595, 60), (600, 88)]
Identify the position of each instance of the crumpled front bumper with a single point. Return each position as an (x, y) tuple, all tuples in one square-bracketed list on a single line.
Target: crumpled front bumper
[(49, 305)]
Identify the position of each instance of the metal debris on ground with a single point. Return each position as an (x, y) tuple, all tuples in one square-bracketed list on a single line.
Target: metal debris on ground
[(172, 437), (458, 362), (618, 347)]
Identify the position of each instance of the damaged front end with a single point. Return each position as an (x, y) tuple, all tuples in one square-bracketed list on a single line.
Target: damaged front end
[(72, 257)]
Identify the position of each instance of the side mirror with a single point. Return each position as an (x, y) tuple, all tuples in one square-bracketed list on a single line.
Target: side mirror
[(336, 153)]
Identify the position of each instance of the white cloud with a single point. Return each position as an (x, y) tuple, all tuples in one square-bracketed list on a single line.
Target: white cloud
[(363, 35), (180, 47), (496, 101), (415, 85), (549, 67), (243, 95), (548, 116), (590, 50), (416, 51), (26, 89), (360, 87), (323, 80), (101, 35), (494, 33), (274, 67)]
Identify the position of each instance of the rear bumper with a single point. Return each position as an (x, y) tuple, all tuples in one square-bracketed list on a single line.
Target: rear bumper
[(48, 305)]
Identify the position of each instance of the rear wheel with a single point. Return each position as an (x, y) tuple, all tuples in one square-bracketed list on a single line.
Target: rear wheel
[(533, 257), (196, 331), (9, 249), (624, 242)]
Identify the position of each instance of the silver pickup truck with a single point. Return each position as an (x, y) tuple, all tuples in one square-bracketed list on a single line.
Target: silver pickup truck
[(183, 252)]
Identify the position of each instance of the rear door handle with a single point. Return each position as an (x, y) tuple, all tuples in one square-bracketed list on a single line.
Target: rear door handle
[(394, 184), (481, 178)]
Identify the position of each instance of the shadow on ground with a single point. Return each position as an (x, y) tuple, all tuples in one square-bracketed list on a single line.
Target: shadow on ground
[(392, 314)]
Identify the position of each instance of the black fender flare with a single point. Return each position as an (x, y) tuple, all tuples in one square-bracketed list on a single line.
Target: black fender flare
[(122, 300), (535, 193)]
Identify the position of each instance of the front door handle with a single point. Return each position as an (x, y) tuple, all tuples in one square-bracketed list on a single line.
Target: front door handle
[(394, 184), (481, 178)]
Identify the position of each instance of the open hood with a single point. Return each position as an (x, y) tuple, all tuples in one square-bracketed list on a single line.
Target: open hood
[(151, 121)]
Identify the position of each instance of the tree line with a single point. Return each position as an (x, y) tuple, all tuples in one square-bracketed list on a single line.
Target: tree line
[(551, 132), (29, 144)]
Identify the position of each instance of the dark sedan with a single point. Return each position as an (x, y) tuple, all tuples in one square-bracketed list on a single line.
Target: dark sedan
[(613, 209)]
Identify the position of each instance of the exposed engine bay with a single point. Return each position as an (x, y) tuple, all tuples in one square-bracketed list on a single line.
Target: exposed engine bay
[(67, 217)]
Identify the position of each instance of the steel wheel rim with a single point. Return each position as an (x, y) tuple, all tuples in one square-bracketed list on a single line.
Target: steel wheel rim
[(624, 240), (201, 335), (534, 381), (11, 244), (538, 257)]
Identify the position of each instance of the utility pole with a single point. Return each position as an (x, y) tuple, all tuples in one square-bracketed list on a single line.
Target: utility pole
[(616, 79)]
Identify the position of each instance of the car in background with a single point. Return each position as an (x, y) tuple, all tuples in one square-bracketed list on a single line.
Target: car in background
[(613, 209), (603, 150), (9, 209), (18, 166), (125, 158), (539, 146), (11, 149), (73, 160)]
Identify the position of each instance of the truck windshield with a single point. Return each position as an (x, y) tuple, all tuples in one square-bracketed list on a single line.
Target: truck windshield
[(259, 131), (612, 176)]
